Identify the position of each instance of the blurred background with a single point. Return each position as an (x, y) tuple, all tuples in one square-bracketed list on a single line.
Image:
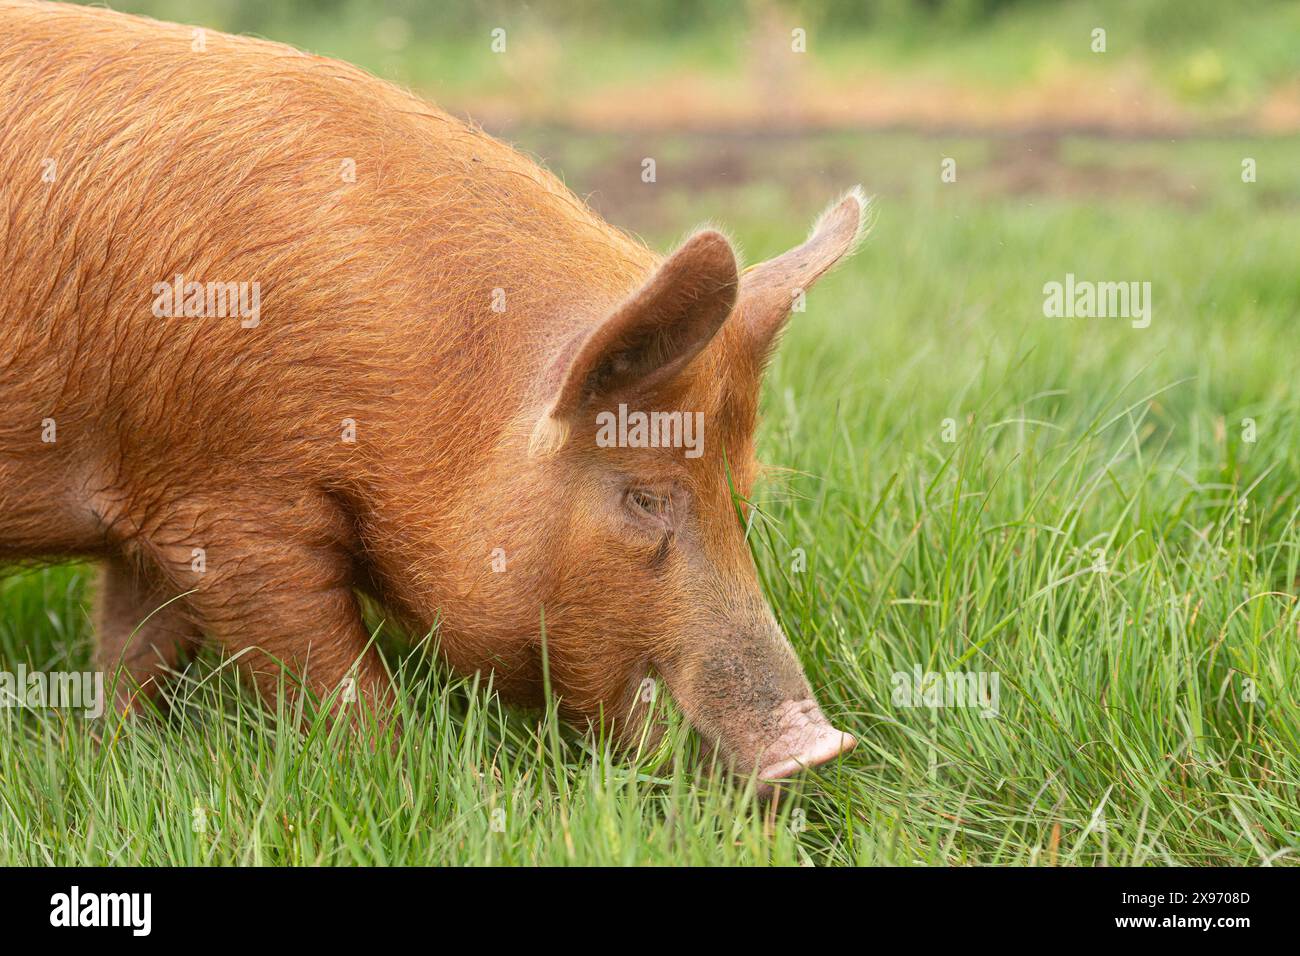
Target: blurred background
[(807, 97)]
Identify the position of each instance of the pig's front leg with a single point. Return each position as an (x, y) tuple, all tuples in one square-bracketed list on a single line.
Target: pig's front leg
[(313, 632), (612, 689), (272, 584)]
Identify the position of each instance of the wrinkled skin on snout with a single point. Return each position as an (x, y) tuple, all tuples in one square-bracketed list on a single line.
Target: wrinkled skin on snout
[(639, 555)]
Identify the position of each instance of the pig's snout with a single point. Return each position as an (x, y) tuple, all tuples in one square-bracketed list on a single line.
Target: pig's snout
[(805, 739), (749, 696)]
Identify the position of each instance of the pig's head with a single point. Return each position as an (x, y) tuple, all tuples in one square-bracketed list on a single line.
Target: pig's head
[(638, 554)]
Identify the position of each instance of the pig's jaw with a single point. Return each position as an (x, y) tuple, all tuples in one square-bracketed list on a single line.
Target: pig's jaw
[(805, 738)]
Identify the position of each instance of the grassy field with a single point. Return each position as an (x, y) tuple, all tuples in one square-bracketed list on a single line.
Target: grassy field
[(1103, 516), (1201, 52)]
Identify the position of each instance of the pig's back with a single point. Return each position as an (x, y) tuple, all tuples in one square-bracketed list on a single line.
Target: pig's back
[(379, 232)]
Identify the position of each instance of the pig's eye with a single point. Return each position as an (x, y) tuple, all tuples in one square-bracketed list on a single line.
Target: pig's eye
[(650, 506)]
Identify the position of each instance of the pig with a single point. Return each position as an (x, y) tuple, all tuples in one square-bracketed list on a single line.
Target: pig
[(277, 334)]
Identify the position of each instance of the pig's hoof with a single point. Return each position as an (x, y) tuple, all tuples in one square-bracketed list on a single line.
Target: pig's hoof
[(806, 740)]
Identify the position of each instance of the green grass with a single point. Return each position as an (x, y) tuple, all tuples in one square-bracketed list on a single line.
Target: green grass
[(1126, 731), (1201, 52)]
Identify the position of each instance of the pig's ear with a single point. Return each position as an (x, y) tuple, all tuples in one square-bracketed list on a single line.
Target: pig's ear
[(769, 290), (647, 340)]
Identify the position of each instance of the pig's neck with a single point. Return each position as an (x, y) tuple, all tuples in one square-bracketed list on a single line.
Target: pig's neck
[(451, 430)]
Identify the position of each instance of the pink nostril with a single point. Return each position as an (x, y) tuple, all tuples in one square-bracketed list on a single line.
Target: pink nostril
[(817, 746)]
